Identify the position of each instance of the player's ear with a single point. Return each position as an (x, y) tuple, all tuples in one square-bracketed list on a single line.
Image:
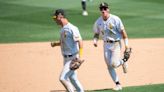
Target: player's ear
[(108, 10)]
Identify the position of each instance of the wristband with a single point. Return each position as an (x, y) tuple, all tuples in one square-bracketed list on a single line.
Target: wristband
[(126, 42), (95, 40), (80, 52)]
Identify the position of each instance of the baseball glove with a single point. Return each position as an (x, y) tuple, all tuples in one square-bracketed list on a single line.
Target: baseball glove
[(76, 63), (127, 54)]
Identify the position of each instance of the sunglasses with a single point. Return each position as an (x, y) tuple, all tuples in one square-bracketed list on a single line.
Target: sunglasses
[(103, 8)]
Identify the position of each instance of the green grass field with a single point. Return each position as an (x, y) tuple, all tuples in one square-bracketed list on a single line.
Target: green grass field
[(30, 20), (146, 88)]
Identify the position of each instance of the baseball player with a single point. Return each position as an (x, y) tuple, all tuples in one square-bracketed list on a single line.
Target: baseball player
[(71, 48), (83, 4), (112, 30)]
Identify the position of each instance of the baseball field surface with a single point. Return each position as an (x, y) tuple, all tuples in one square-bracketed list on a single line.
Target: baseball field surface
[(35, 67)]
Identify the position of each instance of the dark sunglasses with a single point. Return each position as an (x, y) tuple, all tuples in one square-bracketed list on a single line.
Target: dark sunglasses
[(103, 8)]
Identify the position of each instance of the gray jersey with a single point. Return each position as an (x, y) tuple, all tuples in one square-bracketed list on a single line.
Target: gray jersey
[(69, 37), (110, 29)]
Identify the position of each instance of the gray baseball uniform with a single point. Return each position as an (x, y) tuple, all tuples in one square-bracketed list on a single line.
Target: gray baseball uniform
[(111, 33), (70, 48)]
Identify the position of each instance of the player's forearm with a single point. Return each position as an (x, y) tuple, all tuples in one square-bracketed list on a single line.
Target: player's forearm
[(95, 39), (126, 42), (96, 36), (56, 43), (125, 38)]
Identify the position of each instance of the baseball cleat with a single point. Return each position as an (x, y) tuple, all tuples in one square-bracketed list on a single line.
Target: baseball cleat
[(117, 88), (85, 13), (125, 67)]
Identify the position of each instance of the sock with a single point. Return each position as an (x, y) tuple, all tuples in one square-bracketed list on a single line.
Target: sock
[(124, 60), (83, 5), (117, 83)]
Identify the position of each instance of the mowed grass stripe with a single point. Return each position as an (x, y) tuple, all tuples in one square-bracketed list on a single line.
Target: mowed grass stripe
[(145, 88), (30, 20)]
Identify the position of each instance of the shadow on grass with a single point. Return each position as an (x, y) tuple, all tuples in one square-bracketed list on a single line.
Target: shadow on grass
[(101, 90)]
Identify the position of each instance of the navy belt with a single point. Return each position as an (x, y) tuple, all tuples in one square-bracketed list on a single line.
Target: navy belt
[(67, 56), (110, 41)]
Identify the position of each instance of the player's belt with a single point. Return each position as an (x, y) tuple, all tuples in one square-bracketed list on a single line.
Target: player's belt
[(67, 56), (110, 41)]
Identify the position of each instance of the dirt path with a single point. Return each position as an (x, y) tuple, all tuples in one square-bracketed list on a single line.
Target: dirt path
[(35, 67)]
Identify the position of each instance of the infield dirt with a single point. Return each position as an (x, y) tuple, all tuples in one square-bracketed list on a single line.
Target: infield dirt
[(35, 67)]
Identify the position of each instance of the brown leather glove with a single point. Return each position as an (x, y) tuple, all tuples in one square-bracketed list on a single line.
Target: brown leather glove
[(127, 54), (76, 63)]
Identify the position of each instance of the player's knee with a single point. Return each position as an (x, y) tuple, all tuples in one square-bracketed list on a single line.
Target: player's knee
[(72, 79), (114, 65), (61, 79)]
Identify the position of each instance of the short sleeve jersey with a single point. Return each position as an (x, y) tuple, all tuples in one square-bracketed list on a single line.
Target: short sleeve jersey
[(109, 29), (69, 35)]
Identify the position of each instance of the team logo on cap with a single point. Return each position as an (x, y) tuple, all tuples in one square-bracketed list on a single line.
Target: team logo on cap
[(103, 4), (60, 14)]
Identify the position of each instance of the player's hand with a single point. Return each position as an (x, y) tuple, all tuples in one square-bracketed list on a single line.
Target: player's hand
[(53, 44), (76, 63), (95, 44), (56, 43), (126, 47)]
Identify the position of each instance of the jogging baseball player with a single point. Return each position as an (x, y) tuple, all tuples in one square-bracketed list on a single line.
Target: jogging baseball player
[(71, 48), (112, 30), (84, 6)]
